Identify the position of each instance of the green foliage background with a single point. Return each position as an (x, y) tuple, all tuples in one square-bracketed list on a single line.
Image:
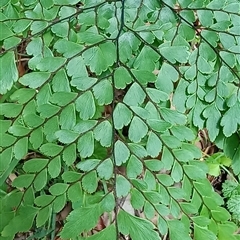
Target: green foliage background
[(110, 106)]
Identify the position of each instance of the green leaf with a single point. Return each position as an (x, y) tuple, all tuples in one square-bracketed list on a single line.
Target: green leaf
[(226, 40), (173, 117), (158, 125), (9, 73), (215, 4), (121, 153), (177, 172), (203, 233), (108, 203), (5, 32), (122, 78), (54, 167), (154, 145), (121, 116), (201, 221), (85, 145), (51, 149), (85, 105), (21, 25), (152, 196), (149, 56), (103, 92), (215, 162), (29, 196), (20, 148), (5, 124), (51, 64), (47, 110), (38, 26), (154, 165), (233, 205), (70, 176), (5, 159), (90, 182), (149, 210), (84, 126), (162, 226), (58, 189), (10, 109), (90, 36), (221, 25), (229, 188), (220, 214), (84, 82), (157, 96), (226, 231), (33, 120), (134, 167), (177, 230), (61, 29), (183, 133), (173, 142), (137, 130), (7, 140), (75, 224), (88, 164), (175, 53), (66, 136), (4, 2), (18, 130), (63, 2), (162, 209), (43, 215), (135, 95), (35, 165), (75, 192), (194, 172), (62, 98), (122, 186), (143, 77), (137, 199), (127, 44), (203, 187), (103, 133), (205, 17), (204, 66), (186, 32), (22, 95), (68, 48), (107, 233), (229, 120), (40, 180), (101, 57), (105, 169), (60, 82), (22, 222), (23, 180), (59, 203), (138, 150), (34, 79), (47, 4), (165, 179), (43, 200), (68, 117), (139, 229), (77, 69), (169, 74), (69, 154)]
